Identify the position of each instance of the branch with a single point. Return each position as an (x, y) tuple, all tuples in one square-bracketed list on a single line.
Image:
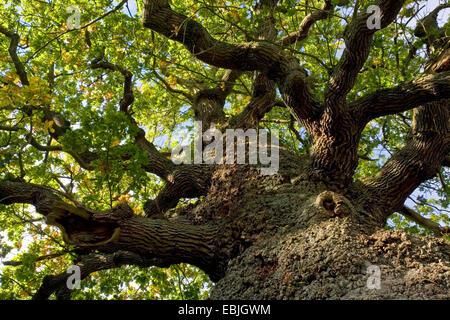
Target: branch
[(357, 37), (128, 97), (11, 129), (40, 147), (169, 87), (89, 264), (251, 56), (306, 24), (421, 158), (424, 222), (163, 242), (441, 61), (84, 159), (116, 8), (208, 103), (263, 89), (189, 181), (158, 164), (261, 102), (404, 97), (158, 16), (44, 257), (428, 28), (20, 69)]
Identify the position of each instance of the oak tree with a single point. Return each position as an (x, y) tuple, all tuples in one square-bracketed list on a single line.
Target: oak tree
[(95, 95)]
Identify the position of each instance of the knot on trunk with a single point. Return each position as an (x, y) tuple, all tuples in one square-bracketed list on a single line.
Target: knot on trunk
[(334, 204), (122, 211)]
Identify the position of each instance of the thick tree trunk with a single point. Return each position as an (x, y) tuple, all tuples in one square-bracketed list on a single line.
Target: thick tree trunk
[(297, 240), (335, 260)]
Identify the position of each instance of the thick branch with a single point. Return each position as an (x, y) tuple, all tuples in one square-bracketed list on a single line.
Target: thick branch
[(420, 159), (157, 163), (208, 103), (188, 181), (20, 69), (306, 24), (159, 17), (89, 264), (261, 102), (161, 241), (404, 97), (357, 37), (428, 28)]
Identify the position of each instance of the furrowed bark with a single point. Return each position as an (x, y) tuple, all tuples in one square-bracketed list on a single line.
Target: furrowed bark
[(306, 24), (434, 86), (14, 42), (161, 241), (334, 155), (188, 181), (281, 236), (357, 37), (407, 96), (419, 160), (428, 142), (261, 101), (208, 104), (159, 17)]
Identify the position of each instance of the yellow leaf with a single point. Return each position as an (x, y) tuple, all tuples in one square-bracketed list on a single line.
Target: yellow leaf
[(235, 15), (246, 99), (172, 81)]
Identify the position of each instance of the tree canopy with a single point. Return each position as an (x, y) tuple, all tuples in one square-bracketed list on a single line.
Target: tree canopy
[(91, 112)]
